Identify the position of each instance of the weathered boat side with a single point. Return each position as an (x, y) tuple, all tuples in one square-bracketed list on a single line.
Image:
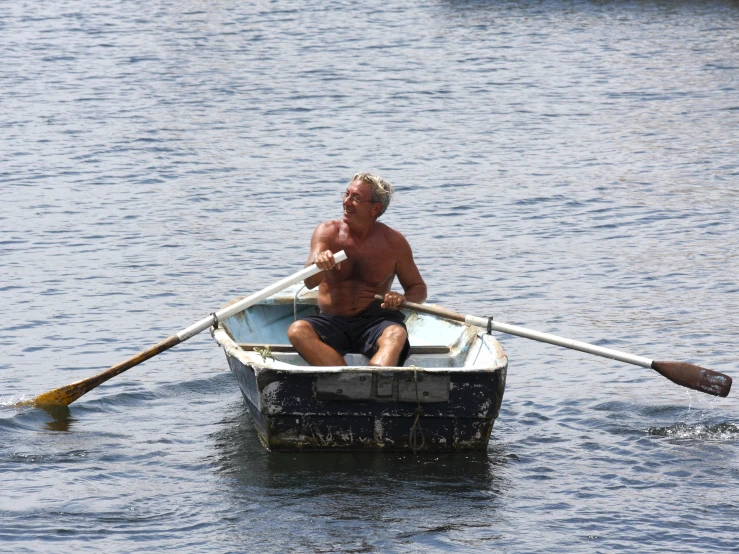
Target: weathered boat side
[(438, 402)]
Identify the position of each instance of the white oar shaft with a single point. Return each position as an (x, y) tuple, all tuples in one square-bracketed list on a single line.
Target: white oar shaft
[(244, 303), (686, 375), (559, 341)]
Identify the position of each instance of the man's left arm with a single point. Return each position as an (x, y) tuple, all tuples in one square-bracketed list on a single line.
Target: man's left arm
[(413, 285), (414, 288)]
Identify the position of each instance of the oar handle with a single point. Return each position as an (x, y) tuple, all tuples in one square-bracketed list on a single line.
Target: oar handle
[(255, 298), (687, 375), (426, 309), (69, 393)]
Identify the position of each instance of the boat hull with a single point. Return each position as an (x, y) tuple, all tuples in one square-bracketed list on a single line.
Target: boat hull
[(299, 407), (289, 413)]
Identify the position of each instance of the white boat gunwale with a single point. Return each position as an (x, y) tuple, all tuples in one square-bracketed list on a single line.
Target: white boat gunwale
[(255, 360)]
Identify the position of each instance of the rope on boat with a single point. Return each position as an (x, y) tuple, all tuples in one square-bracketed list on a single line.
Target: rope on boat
[(295, 302), (416, 427), (479, 350)]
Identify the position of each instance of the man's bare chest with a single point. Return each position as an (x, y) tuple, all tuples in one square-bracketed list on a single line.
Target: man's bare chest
[(371, 263)]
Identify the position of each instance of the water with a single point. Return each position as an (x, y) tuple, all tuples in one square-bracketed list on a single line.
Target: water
[(566, 166)]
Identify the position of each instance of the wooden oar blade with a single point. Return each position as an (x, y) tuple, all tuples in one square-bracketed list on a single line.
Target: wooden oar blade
[(695, 377), (64, 396)]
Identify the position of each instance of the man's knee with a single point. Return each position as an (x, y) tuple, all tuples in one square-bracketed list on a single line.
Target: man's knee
[(300, 332), (394, 335)]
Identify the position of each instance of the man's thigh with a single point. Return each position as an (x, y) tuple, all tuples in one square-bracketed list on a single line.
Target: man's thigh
[(331, 330), (366, 341)]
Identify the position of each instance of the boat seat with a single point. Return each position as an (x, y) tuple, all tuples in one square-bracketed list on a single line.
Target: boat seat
[(419, 349)]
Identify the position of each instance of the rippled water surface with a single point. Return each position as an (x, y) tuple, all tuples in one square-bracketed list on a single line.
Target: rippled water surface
[(566, 166)]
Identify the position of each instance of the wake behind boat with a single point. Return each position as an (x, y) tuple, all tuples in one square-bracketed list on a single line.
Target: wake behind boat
[(445, 398)]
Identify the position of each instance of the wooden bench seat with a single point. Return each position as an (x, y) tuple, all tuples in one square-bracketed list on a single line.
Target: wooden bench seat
[(276, 348)]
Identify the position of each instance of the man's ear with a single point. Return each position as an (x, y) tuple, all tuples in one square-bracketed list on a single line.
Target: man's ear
[(376, 209)]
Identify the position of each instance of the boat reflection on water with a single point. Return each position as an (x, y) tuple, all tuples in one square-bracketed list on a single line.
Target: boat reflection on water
[(396, 476)]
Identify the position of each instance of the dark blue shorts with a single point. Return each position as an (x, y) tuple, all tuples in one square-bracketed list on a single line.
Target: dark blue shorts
[(359, 333)]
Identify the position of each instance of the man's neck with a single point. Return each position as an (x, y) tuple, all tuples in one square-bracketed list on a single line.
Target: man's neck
[(361, 232)]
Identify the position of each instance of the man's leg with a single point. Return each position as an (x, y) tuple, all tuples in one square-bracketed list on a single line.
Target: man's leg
[(389, 347), (310, 346)]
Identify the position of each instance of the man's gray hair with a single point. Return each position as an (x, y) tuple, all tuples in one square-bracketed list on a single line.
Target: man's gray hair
[(382, 191)]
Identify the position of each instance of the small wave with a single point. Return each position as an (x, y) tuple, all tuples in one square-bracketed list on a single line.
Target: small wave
[(13, 402), (718, 432)]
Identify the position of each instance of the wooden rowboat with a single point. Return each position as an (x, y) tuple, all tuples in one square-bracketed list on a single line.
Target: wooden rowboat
[(445, 398)]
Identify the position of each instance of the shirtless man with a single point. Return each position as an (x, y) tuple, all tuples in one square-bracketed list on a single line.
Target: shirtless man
[(350, 320)]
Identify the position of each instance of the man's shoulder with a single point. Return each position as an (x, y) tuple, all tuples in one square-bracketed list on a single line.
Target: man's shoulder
[(331, 226), (393, 236)]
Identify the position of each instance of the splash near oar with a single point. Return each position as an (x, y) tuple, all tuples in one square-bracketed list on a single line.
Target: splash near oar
[(687, 375), (64, 396)]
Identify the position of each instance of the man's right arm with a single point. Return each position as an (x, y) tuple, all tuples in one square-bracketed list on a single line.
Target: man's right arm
[(320, 253)]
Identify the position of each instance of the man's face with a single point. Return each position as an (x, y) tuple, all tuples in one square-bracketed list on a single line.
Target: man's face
[(358, 205)]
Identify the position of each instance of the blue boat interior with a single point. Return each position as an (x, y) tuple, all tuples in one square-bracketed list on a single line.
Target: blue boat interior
[(435, 342)]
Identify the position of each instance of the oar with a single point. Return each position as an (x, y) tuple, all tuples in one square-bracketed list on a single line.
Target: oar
[(687, 375), (66, 395)]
